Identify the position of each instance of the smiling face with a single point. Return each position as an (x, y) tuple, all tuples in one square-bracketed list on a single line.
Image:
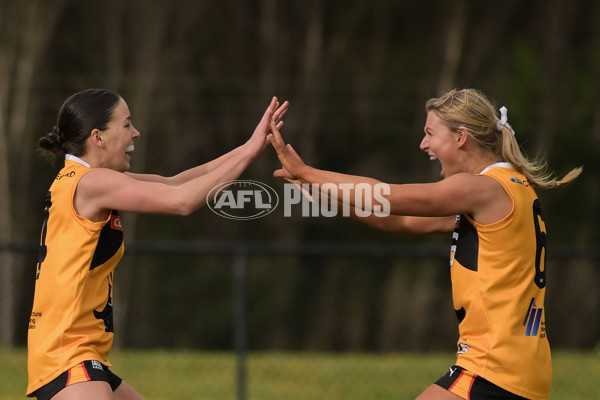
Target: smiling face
[(117, 139), (441, 144)]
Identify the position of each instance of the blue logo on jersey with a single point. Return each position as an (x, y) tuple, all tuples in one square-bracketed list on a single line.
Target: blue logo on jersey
[(516, 180), (533, 319)]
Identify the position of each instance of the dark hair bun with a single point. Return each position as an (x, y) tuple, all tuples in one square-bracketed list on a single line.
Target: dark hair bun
[(51, 142)]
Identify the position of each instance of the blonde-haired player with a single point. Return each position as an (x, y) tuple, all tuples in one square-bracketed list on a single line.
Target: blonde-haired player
[(487, 201)]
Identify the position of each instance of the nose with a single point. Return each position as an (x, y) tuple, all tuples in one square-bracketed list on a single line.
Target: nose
[(136, 133), (424, 143)]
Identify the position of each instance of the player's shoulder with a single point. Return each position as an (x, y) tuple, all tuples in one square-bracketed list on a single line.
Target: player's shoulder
[(101, 180), (102, 174), (469, 182), (473, 192)]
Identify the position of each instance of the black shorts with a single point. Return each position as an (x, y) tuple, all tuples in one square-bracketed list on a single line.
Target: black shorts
[(85, 371), (470, 386)]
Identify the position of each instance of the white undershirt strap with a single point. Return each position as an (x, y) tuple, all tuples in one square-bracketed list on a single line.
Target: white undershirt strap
[(76, 159), (498, 164)]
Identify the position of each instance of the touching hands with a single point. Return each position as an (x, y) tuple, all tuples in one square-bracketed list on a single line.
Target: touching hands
[(274, 112), (268, 131), (290, 160)]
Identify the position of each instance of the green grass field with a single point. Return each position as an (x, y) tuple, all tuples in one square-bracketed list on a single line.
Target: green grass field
[(178, 374)]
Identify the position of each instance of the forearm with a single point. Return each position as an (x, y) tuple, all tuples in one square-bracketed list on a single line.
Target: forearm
[(400, 224), (400, 209), (189, 174), (309, 174), (407, 225), (355, 192), (195, 192), (104, 189), (200, 170)]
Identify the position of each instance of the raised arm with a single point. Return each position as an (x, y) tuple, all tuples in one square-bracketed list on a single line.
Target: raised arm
[(419, 204), (102, 189), (396, 224), (407, 225), (200, 170)]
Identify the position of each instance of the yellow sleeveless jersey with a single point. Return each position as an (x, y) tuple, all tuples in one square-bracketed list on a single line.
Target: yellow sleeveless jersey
[(498, 289), (72, 317)]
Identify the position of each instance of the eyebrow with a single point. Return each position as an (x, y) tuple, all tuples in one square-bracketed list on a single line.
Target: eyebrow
[(128, 118)]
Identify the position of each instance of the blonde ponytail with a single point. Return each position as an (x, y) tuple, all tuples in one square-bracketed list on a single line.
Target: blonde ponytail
[(535, 170)]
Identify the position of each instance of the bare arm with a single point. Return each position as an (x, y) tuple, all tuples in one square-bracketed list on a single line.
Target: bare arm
[(396, 224), (188, 174), (408, 225), (102, 189), (463, 193), (200, 170)]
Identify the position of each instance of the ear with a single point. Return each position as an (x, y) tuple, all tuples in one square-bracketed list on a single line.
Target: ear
[(96, 137), (462, 136)]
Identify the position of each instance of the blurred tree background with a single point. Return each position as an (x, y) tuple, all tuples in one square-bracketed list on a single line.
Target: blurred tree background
[(197, 76)]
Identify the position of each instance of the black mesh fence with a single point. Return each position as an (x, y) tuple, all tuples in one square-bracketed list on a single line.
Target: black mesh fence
[(336, 321)]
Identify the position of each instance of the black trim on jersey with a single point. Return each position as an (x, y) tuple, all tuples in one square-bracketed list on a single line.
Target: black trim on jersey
[(43, 250), (467, 244), (109, 242), (107, 312), (541, 243), (461, 314)]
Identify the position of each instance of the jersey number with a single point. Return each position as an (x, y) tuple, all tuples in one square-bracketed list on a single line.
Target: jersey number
[(540, 240)]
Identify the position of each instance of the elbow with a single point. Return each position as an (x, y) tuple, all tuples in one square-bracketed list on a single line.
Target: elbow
[(399, 224), (183, 212), (184, 208), (184, 202)]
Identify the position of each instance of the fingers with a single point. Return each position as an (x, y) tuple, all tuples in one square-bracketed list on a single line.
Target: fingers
[(291, 149), (273, 106), (280, 173), (274, 113), (275, 138), (283, 173), (280, 111), (271, 109)]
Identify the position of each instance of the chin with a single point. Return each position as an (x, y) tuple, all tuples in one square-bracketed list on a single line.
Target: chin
[(125, 168)]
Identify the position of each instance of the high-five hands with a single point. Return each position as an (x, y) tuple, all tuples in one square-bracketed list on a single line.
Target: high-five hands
[(273, 114), (290, 160)]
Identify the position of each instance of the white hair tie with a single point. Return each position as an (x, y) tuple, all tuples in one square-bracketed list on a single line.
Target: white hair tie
[(503, 121)]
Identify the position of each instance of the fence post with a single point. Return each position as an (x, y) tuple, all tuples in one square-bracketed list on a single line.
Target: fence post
[(239, 328)]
